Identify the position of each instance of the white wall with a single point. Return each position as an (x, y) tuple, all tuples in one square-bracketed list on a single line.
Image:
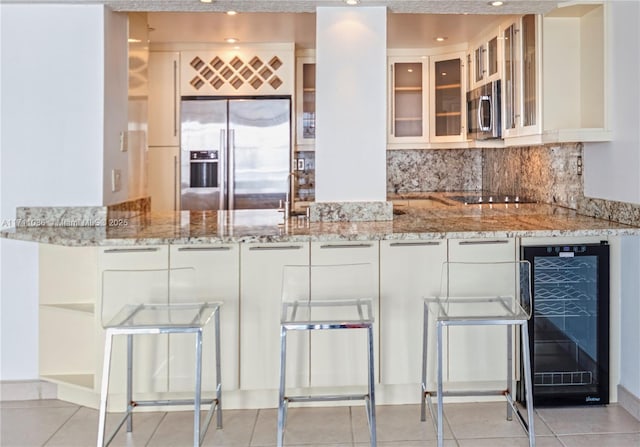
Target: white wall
[(612, 171), (351, 104), (51, 145), (116, 86)]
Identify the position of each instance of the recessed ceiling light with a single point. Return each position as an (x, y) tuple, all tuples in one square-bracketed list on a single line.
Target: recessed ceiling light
[(232, 13), (352, 2), (231, 39), (440, 38), (206, 1), (496, 3)]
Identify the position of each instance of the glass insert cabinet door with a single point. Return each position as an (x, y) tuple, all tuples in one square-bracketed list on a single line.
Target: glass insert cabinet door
[(407, 118), (521, 75), (447, 98)]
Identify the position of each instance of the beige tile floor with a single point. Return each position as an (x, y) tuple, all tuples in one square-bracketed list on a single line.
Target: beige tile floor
[(58, 423)]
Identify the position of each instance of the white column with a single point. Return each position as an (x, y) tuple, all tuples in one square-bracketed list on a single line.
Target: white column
[(351, 49), (52, 141)]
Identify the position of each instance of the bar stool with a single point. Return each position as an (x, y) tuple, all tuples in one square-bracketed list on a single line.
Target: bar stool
[(157, 302), (460, 304), (327, 297)]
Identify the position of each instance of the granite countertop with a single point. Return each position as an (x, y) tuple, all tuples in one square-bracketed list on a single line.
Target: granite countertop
[(431, 216)]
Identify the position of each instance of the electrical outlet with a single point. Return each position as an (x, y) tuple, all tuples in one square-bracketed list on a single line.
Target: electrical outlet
[(116, 180), (300, 164), (124, 141), (579, 165)]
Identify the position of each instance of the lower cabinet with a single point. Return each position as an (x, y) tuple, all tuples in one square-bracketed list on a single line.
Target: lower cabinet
[(217, 269), (260, 296), (409, 271), (478, 353), (339, 358), (247, 278)]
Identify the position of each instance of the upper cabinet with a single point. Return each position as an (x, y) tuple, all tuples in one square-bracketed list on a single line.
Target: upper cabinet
[(448, 122), (521, 56), (426, 100), (164, 98), (484, 61), (407, 103), (305, 102)]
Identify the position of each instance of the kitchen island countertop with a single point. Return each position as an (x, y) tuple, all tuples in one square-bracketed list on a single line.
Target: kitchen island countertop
[(430, 217)]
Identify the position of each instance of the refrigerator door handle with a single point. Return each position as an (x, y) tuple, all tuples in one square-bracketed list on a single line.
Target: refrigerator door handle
[(222, 168), (231, 168)]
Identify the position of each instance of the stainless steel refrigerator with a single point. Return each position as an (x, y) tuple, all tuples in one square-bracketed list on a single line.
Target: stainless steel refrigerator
[(235, 152)]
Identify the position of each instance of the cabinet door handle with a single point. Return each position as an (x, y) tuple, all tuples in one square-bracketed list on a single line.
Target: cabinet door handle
[(490, 242), (392, 97), (132, 250), (282, 247), (346, 246), (414, 244), (204, 248), (175, 183), (175, 95)]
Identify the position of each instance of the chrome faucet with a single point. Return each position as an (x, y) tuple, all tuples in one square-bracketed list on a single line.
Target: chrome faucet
[(286, 208)]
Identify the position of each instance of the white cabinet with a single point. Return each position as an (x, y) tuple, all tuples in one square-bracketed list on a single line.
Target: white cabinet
[(68, 334), (162, 170), (339, 358), (408, 106), (164, 99), (260, 297), (479, 353), (409, 271), (484, 62), (521, 88), (216, 279), (163, 185), (305, 102), (448, 101)]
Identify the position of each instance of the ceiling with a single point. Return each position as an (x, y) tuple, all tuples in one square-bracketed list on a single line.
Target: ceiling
[(396, 6), (403, 30), (411, 23)]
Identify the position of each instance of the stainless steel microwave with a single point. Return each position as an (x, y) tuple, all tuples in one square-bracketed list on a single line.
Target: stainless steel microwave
[(484, 117)]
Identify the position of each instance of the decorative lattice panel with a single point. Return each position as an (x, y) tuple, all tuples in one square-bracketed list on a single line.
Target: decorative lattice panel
[(211, 73)]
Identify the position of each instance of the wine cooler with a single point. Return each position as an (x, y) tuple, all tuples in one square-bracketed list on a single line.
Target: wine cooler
[(569, 326)]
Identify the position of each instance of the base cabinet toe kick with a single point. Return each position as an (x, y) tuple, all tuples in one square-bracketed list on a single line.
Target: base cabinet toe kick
[(247, 279)]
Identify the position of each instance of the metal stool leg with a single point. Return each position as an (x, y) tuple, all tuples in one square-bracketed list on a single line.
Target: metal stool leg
[(425, 332), (218, 370), (509, 370), (440, 422), (283, 375), (104, 390), (198, 390), (372, 400), (130, 383), (526, 360)]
